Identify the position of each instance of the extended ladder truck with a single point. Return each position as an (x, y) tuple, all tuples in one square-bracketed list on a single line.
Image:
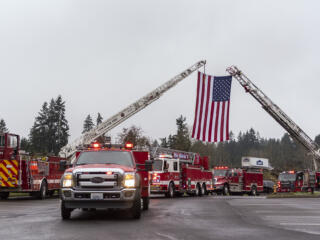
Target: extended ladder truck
[(283, 119), (109, 176)]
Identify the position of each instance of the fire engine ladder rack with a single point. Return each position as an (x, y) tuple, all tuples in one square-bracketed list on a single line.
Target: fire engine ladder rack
[(157, 151), (295, 131), (69, 150)]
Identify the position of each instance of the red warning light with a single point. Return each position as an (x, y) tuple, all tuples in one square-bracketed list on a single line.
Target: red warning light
[(129, 145), (96, 145)]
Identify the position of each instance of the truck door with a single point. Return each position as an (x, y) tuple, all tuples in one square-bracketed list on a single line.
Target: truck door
[(140, 158)]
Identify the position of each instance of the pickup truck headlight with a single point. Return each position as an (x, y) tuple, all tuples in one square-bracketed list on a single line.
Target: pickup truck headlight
[(67, 180), (129, 180)]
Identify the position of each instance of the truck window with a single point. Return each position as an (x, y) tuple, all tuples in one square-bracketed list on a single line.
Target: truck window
[(105, 157), (287, 177), (13, 141), (1, 140), (157, 165), (175, 166), (220, 173)]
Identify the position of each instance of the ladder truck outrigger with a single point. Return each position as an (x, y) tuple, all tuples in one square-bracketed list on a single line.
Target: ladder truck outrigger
[(283, 119), (102, 176)]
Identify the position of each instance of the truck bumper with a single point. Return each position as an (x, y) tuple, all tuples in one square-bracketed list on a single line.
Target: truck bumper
[(218, 188), (97, 204), (107, 199), (157, 189)]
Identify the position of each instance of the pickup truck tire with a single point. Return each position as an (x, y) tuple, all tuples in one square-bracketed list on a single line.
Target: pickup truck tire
[(136, 208), (65, 212), (145, 203), (4, 195)]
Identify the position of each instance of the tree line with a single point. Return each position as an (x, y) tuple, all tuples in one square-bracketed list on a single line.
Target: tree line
[(283, 154), (50, 132)]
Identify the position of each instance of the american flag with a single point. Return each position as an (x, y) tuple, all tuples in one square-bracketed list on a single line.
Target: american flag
[(211, 121)]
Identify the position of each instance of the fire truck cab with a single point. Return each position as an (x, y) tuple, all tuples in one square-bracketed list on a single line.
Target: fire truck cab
[(104, 177), (220, 180), (20, 172), (296, 181)]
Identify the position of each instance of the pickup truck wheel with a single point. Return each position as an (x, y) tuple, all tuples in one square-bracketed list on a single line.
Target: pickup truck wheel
[(253, 191), (136, 208), (4, 195), (145, 203), (65, 212), (225, 190)]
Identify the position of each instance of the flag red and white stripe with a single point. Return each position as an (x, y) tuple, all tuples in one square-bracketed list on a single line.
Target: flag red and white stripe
[(211, 122)]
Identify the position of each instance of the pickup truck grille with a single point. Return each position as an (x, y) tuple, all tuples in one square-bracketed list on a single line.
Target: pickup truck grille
[(97, 180)]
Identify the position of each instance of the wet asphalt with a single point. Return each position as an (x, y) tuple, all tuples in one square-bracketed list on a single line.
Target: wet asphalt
[(210, 217)]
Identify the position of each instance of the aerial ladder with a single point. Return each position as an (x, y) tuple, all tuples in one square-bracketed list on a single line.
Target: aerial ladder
[(69, 150), (287, 123)]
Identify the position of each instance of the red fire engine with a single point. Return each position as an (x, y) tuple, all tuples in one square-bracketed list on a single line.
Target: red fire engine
[(177, 172), (19, 172), (246, 180), (220, 180), (296, 181), (104, 177)]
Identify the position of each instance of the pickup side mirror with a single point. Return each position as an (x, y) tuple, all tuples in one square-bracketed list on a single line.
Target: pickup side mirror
[(148, 165)]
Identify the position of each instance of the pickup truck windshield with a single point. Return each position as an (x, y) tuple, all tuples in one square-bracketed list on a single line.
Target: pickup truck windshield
[(105, 157)]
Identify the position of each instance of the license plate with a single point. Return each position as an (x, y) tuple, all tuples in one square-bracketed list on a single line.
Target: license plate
[(97, 196)]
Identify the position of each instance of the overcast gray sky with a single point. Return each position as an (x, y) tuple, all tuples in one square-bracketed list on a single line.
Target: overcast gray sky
[(103, 55)]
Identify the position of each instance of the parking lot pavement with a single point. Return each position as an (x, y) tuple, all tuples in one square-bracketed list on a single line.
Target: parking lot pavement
[(210, 217), (296, 214)]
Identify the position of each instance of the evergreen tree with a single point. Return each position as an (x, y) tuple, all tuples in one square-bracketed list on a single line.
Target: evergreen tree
[(155, 144), (25, 144), (61, 126), (99, 119), (164, 142), (88, 124), (182, 139), (40, 131), (50, 129), (3, 127)]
